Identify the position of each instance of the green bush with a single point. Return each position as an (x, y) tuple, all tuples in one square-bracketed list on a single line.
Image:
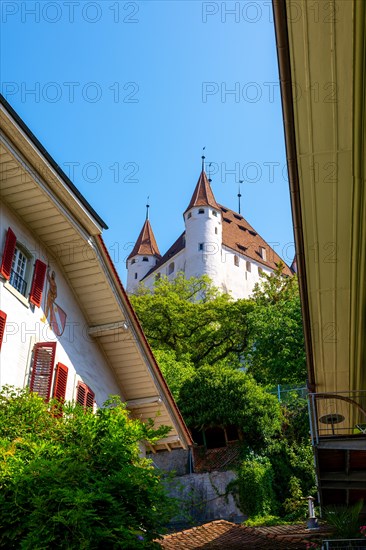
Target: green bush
[(253, 487), (76, 481)]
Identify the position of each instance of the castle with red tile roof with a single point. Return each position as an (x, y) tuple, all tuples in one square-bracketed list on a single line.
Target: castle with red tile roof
[(217, 242)]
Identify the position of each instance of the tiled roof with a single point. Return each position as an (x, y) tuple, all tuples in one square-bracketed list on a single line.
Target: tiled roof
[(223, 534), (203, 195), (146, 243), (210, 460), (239, 235), (173, 250)]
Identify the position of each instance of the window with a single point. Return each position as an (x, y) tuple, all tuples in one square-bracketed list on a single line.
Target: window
[(171, 268), (84, 395), (135, 275), (215, 230), (133, 261), (214, 213), (201, 211), (42, 368), (145, 259), (189, 215), (200, 246), (2, 326), (236, 261), (260, 272), (248, 267), (16, 267), (157, 276)]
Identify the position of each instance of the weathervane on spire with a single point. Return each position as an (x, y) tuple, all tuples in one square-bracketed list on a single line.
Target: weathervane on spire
[(203, 159), (239, 195), (147, 208)]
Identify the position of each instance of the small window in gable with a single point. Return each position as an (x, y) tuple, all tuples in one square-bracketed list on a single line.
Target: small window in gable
[(200, 246), (133, 261), (214, 213), (135, 275), (215, 230), (171, 268), (201, 211), (236, 261), (145, 259), (189, 215), (248, 266)]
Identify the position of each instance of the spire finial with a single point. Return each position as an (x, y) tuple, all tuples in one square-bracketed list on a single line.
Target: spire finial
[(239, 195), (147, 208), (203, 159)]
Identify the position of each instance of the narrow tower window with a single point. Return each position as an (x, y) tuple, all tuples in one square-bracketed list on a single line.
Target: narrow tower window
[(214, 213), (215, 230), (201, 211), (236, 261), (189, 215), (249, 267), (135, 275), (263, 253), (200, 246), (145, 259), (171, 268)]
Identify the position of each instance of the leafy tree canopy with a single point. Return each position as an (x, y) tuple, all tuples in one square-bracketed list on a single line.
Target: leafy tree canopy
[(191, 317), (222, 396), (276, 351), (76, 481)]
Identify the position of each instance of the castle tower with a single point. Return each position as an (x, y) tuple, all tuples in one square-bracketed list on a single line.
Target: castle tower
[(143, 257), (203, 222)]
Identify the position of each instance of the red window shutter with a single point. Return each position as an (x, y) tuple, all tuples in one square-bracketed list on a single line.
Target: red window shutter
[(84, 395), (8, 254), (2, 326), (42, 370), (59, 390), (90, 398), (39, 275)]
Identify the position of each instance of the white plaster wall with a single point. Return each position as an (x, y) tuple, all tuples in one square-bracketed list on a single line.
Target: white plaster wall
[(236, 279), (24, 328), (200, 228), (137, 265)]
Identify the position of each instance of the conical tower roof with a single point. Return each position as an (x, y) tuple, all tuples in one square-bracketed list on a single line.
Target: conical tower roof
[(203, 195), (146, 243)]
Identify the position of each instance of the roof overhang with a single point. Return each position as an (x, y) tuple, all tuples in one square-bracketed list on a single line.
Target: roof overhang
[(322, 75)]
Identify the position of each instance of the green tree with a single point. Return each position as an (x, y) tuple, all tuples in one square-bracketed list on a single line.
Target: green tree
[(192, 318), (76, 480), (276, 351), (223, 396)]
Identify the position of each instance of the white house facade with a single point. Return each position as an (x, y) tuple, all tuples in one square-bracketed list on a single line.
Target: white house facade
[(67, 329), (217, 242)]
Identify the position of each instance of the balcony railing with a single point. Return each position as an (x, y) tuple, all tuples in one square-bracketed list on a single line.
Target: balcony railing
[(340, 414), (18, 282)]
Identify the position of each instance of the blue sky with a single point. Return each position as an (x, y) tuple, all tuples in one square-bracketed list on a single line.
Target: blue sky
[(124, 95)]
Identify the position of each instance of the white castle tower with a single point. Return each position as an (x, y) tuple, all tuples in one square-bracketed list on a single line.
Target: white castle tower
[(217, 242), (143, 258), (203, 235)]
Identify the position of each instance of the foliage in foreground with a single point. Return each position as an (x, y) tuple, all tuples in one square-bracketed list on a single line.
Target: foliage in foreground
[(344, 519), (76, 481)]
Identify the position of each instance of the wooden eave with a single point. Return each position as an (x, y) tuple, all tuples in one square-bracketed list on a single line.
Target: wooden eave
[(322, 61)]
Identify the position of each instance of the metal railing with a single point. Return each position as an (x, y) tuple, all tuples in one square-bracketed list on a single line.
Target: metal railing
[(340, 414), (18, 282)]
